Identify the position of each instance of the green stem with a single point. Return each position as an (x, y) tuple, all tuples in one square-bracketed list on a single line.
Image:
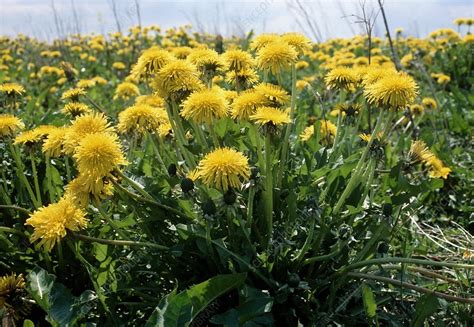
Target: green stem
[(11, 231), (117, 242), (268, 187), (289, 127), (22, 176), (357, 171), (412, 287), (35, 178), (407, 260), (26, 211)]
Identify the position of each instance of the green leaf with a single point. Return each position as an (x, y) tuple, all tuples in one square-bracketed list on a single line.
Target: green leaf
[(56, 300), (28, 323), (181, 309), (424, 308), (369, 301)]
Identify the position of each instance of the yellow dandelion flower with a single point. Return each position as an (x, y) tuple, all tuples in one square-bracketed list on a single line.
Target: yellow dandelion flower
[(301, 84), (429, 103), (416, 109), (263, 40), (73, 94), (165, 130), (298, 41), (238, 60), (84, 125), (99, 80), (301, 65), (11, 89), (54, 142), (85, 83), (393, 91), (307, 133), (52, 222), (204, 106), (126, 90), (328, 130), (98, 154), (150, 100), (374, 73), (35, 135), (118, 65), (243, 78), (230, 95), (224, 168), (367, 137), (150, 61), (419, 152), (141, 118), (443, 79), (178, 77), (181, 52), (12, 290), (271, 116), (346, 109), (207, 61), (9, 125), (76, 108), (276, 95), (246, 104), (436, 168), (276, 57), (341, 78), (80, 190)]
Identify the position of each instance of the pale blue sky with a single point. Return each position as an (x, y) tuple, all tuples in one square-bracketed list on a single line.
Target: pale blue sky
[(35, 17)]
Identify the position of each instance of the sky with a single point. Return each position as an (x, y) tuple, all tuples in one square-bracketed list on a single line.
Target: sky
[(329, 18)]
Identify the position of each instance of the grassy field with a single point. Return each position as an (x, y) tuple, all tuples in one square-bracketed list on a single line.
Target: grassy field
[(171, 178)]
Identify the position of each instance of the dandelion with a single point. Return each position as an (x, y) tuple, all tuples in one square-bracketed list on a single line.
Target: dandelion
[(84, 125), (119, 65), (346, 109), (263, 40), (141, 118), (243, 78), (436, 168), (238, 60), (341, 78), (73, 94), (443, 79), (276, 57), (126, 90), (150, 100), (429, 103), (206, 60), (52, 222), (150, 61), (328, 130), (10, 125), (393, 91), (35, 135), (224, 168), (307, 133), (12, 89), (177, 78), (54, 142), (98, 154), (76, 108), (204, 106), (275, 94), (298, 41), (80, 190), (246, 104), (270, 116), (12, 293), (419, 152), (85, 83)]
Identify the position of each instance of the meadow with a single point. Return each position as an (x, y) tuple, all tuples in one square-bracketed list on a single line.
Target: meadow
[(175, 178)]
